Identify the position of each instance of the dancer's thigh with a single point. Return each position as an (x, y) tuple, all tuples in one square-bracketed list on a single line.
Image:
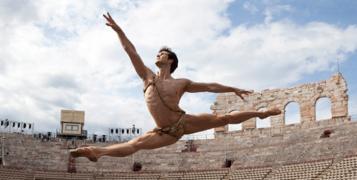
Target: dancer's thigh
[(202, 122), (152, 140)]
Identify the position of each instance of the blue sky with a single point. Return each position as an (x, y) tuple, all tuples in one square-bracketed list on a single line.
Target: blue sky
[(340, 13), (60, 55)]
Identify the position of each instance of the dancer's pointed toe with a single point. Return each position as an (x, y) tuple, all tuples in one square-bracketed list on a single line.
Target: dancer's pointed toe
[(271, 112), (87, 152)]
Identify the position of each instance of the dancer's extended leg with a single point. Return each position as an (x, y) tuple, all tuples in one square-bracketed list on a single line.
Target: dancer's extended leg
[(150, 140), (197, 123)]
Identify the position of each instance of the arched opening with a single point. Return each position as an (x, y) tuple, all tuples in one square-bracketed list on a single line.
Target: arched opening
[(292, 113), (323, 109), (263, 123), (235, 127)]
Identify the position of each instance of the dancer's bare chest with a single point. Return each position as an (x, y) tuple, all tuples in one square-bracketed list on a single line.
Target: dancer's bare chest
[(169, 91)]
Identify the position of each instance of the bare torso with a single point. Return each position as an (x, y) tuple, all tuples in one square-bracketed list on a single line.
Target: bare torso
[(171, 91)]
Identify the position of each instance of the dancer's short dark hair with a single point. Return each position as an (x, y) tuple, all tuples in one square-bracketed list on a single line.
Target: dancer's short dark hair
[(172, 56)]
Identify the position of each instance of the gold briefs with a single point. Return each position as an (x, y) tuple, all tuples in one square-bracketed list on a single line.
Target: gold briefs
[(176, 130)]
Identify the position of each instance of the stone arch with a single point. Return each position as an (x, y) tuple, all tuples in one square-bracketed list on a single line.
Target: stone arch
[(234, 127), (323, 108), (292, 113)]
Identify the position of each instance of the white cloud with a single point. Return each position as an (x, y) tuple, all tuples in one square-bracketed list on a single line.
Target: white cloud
[(251, 56), (61, 55), (274, 10), (249, 6)]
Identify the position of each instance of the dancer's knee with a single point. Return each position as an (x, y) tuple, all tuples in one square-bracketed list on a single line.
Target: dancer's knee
[(135, 144)]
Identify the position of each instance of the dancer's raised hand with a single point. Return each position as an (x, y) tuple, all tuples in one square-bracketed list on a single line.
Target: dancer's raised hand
[(111, 22)]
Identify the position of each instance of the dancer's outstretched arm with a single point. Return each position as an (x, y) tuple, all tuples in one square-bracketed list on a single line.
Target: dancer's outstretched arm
[(215, 88), (129, 48)]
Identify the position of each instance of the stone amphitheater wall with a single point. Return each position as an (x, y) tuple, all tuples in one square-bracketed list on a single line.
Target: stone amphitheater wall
[(249, 147)]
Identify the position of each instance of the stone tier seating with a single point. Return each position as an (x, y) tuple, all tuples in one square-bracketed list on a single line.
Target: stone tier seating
[(249, 173), (318, 170), (41, 175), (345, 169), (129, 176), (308, 170), (14, 174), (213, 175), (171, 176)]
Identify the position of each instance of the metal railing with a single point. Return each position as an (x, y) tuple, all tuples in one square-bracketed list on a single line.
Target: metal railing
[(12, 126)]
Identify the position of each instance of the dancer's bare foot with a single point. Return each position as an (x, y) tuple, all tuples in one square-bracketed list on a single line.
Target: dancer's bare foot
[(87, 152), (270, 112)]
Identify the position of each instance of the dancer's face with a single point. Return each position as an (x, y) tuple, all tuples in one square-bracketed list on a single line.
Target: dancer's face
[(162, 58)]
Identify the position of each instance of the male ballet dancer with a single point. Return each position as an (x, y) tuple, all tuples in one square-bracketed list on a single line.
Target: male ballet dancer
[(162, 95)]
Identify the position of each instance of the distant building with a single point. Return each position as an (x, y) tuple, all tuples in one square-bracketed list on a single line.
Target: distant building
[(72, 123)]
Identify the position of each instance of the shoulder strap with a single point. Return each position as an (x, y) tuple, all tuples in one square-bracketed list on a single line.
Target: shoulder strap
[(149, 84)]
